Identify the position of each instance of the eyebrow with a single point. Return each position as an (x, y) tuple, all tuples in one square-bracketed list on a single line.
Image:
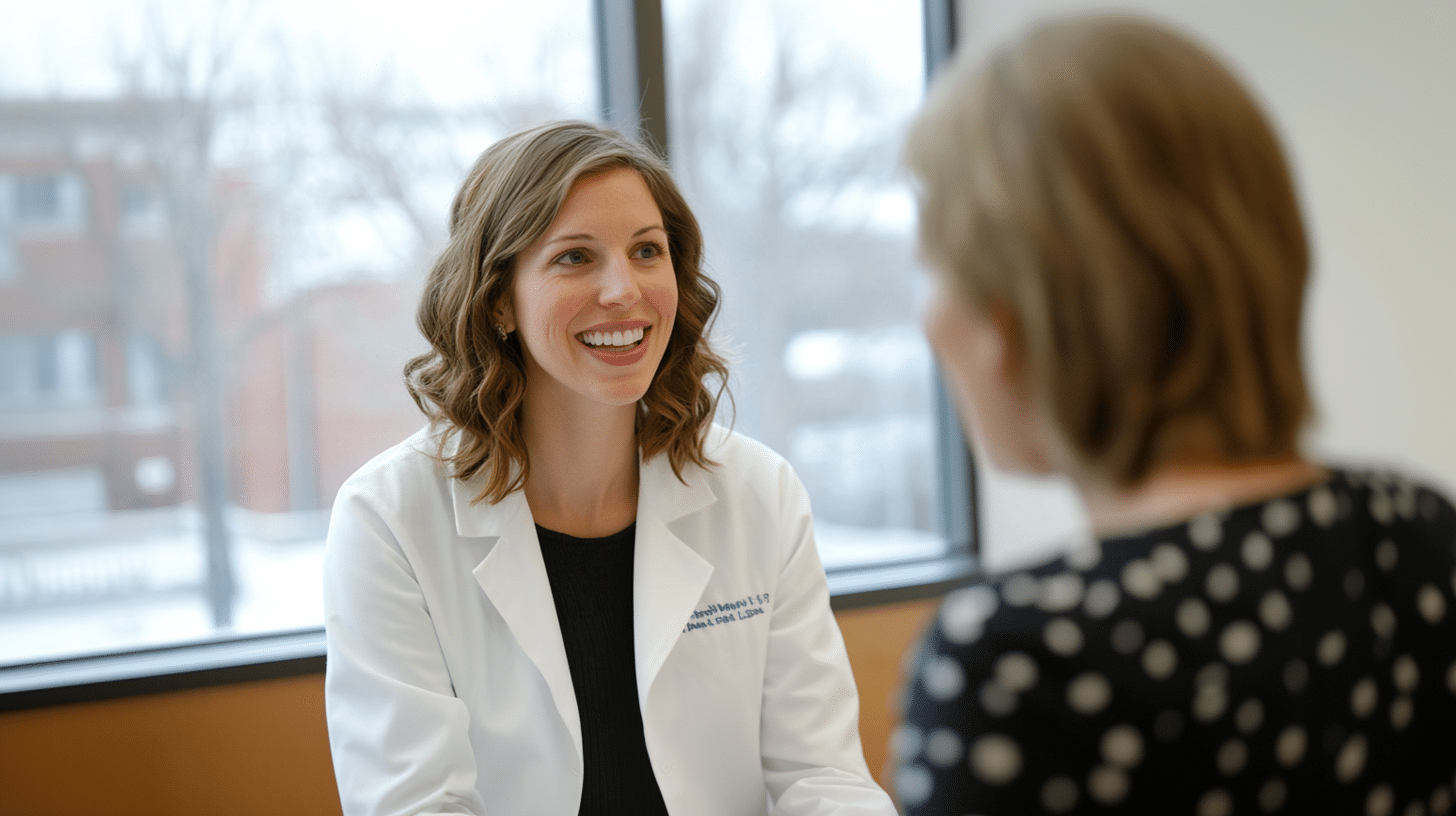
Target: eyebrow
[(585, 237)]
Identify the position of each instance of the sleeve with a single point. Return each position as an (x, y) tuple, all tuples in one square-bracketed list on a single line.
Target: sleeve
[(986, 729), (397, 732), (812, 758)]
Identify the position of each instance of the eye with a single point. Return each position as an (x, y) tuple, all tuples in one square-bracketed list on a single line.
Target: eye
[(648, 251), (572, 257)]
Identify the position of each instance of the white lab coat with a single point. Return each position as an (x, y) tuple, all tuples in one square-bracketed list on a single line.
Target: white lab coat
[(448, 689)]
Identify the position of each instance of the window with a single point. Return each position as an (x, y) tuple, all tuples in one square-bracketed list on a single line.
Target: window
[(140, 209), (48, 370), (44, 204), (37, 197), (258, 235), (784, 122), (9, 260)]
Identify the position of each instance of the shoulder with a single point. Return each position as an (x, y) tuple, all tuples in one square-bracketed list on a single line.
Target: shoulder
[(744, 468), (1063, 617), (1389, 524), (725, 442), (1038, 612), (736, 456), (1390, 496), (408, 466), (746, 490), (1001, 658), (1010, 610), (1363, 509)]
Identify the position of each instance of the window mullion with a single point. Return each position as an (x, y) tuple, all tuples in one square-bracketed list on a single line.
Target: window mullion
[(630, 65), (958, 502)]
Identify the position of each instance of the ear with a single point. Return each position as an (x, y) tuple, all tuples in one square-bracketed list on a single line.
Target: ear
[(1002, 338), (504, 315), (998, 333)]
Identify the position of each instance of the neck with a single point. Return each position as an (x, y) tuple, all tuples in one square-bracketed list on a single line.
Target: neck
[(1174, 492), (584, 472)]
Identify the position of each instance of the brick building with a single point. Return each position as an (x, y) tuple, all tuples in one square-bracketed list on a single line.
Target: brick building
[(97, 392)]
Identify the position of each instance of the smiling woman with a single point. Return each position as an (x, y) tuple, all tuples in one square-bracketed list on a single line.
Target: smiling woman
[(596, 288), (545, 186), (509, 615)]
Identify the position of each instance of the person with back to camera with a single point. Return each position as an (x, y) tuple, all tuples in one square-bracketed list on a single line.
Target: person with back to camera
[(1118, 273), (572, 593)]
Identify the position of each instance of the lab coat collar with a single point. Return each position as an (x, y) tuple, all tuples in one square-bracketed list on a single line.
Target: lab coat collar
[(668, 580), (513, 576), (668, 576)]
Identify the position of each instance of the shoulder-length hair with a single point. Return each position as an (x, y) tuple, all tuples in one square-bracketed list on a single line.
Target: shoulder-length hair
[(472, 382), (1116, 190)]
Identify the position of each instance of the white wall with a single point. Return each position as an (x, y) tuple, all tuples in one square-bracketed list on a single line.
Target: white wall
[(1364, 94)]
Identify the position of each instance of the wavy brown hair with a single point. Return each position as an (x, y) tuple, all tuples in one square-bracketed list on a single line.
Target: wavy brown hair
[(472, 382), (1116, 188)]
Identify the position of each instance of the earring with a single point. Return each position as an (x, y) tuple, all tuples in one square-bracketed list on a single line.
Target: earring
[(501, 330)]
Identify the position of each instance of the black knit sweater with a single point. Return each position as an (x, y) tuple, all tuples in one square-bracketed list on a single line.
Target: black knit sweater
[(591, 585)]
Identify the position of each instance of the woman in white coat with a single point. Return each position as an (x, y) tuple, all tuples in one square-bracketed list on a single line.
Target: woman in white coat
[(571, 593)]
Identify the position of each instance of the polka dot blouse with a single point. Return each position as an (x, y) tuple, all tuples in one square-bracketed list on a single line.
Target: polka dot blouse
[(1293, 656)]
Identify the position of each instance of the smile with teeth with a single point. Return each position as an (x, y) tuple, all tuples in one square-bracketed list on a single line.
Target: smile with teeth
[(613, 340)]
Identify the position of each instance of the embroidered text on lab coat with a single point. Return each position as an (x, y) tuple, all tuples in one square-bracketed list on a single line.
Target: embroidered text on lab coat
[(721, 614)]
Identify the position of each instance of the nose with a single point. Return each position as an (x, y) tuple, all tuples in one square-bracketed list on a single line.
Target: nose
[(619, 286)]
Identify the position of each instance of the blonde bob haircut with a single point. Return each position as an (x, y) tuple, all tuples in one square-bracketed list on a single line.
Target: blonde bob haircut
[(1115, 194), (472, 382)]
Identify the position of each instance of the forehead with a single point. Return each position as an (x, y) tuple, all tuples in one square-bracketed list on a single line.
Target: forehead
[(618, 192)]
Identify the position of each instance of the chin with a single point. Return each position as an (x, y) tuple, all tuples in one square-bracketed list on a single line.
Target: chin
[(623, 398)]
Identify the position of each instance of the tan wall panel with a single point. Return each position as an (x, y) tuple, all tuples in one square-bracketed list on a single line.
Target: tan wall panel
[(237, 750), (261, 748), (878, 639)]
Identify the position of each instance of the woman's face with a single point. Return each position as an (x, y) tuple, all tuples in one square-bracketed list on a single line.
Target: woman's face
[(984, 376), (595, 296)]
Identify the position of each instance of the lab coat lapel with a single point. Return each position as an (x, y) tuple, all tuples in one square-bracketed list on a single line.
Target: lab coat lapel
[(513, 576), (668, 576)]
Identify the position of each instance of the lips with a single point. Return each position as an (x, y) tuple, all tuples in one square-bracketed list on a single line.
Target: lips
[(613, 339), (619, 346)]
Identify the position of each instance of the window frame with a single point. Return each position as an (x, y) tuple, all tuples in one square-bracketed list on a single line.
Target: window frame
[(631, 68)]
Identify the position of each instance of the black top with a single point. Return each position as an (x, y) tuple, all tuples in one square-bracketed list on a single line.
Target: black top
[(1291, 656), (591, 585)]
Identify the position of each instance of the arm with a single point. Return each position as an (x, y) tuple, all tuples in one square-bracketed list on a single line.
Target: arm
[(812, 759), (987, 728), (933, 779), (397, 732)]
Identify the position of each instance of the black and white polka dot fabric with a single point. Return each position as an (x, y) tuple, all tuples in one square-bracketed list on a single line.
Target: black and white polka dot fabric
[(1293, 656)]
